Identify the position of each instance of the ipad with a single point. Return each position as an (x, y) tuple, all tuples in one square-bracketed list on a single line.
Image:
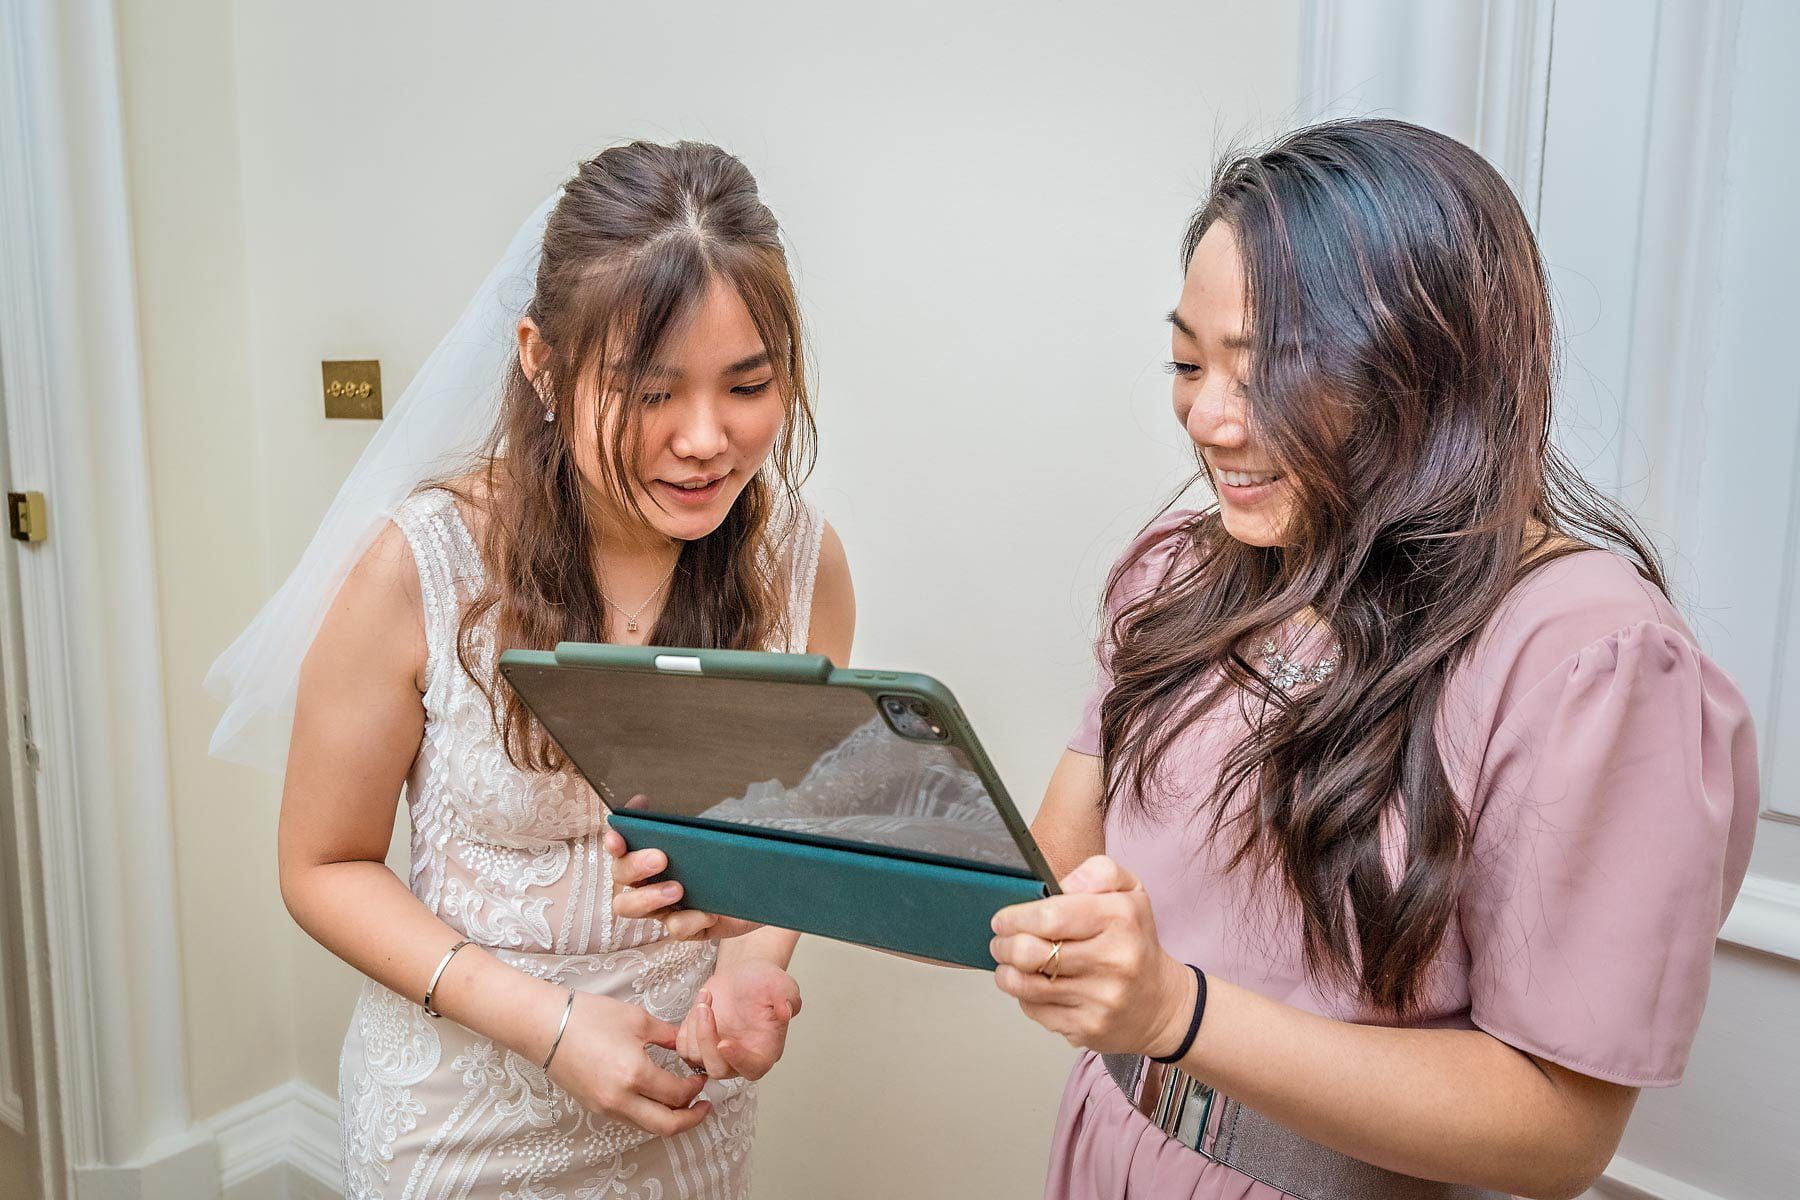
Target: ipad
[(779, 783)]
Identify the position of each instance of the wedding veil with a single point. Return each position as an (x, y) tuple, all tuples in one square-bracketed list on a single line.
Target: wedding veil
[(439, 421)]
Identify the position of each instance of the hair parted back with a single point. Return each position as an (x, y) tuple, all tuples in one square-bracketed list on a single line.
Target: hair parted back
[(1401, 379), (640, 234)]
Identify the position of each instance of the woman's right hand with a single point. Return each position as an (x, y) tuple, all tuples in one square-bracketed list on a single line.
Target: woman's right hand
[(602, 1063), (638, 894)]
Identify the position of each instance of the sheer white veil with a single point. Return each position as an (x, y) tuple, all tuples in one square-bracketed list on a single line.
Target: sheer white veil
[(440, 420)]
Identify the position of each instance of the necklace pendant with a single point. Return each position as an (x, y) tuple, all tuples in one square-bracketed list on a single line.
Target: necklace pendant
[(631, 627)]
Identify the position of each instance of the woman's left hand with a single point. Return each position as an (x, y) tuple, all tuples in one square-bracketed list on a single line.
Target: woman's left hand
[(739, 1022), (1115, 991)]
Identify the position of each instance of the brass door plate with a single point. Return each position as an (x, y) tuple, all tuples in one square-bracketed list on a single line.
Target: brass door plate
[(353, 389)]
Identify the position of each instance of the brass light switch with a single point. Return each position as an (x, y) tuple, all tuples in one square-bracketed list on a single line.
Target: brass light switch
[(353, 389)]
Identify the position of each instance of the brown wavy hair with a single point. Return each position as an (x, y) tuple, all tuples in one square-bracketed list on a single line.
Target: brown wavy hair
[(637, 238), (1401, 378)]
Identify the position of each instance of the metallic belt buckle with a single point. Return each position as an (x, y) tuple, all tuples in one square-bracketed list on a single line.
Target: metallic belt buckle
[(1175, 1102)]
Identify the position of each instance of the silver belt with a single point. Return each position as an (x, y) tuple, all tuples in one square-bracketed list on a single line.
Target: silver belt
[(1216, 1126)]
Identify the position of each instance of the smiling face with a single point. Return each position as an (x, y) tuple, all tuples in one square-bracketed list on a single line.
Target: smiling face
[(1210, 360), (702, 434)]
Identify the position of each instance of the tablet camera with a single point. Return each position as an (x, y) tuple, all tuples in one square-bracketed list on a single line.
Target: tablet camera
[(912, 718)]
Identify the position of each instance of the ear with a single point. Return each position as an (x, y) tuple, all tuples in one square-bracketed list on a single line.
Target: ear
[(534, 352)]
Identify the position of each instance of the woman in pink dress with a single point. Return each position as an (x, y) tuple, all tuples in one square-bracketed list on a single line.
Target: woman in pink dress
[(1406, 809)]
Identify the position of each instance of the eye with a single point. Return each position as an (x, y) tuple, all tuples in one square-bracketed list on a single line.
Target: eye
[(651, 399), (1185, 370), (752, 389)]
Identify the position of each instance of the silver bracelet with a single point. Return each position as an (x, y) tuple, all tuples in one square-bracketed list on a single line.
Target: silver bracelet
[(438, 974), (568, 1008)]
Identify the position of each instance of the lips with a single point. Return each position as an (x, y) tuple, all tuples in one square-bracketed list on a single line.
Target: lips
[(1245, 488), (694, 492)]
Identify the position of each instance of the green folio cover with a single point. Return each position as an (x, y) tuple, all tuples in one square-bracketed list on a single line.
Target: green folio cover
[(926, 909)]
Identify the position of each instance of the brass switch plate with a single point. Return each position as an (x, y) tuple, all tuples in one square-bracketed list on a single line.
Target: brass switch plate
[(353, 389)]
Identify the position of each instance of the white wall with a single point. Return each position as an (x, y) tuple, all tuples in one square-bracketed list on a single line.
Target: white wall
[(985, 208), (210, 518)]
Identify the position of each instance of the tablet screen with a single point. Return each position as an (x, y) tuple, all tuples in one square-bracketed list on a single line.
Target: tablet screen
[(820, 762)]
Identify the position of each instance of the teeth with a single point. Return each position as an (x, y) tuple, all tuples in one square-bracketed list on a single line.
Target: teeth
[(1247, 478), (694, 487)]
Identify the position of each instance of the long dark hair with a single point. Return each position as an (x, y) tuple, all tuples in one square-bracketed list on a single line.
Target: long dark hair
[(1401, 379), (638, 236)]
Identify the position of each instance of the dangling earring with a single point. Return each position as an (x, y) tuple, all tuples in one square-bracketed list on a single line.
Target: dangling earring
[(549, 415), (544, 395)]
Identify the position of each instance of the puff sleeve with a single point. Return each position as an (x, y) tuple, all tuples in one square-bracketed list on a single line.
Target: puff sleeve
[(1615, 810)]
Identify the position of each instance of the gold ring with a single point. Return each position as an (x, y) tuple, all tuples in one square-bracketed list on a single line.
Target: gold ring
[(1055, 960)]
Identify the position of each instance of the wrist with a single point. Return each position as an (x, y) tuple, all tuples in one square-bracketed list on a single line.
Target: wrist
[(1180, 992), (770, 944), (528, 1010)]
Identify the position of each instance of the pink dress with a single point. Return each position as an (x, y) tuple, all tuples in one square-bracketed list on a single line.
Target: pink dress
[(1610, 769)]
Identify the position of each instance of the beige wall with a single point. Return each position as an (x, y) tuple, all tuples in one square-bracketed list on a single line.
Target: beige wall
[(985, 208), (211, 519)]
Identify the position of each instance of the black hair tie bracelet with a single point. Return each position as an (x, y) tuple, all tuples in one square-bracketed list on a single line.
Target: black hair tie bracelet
[(1187, 1043)]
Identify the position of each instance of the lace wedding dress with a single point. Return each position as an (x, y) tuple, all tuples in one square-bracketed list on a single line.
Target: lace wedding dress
[(514, 862)]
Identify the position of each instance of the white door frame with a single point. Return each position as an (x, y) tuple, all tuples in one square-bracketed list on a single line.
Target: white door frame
[(105, 977)]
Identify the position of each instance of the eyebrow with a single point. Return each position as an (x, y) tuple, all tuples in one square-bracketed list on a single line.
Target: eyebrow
[(748, 363), (1236, 341)]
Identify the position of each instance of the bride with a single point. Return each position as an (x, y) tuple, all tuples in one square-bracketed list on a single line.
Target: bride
[(645, 435)]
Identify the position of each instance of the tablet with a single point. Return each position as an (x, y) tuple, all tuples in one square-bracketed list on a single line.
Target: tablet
[(850, 803)]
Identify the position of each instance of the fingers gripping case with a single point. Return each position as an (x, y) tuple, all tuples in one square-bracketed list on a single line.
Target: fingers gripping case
[(856, 805)]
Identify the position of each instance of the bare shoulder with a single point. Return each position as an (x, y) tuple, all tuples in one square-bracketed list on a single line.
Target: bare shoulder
[(833, 560), (834, 600), (376, 623), (385, 574)]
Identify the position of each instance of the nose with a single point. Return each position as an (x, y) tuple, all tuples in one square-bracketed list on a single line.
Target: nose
[(1213, 413), (699, 433)]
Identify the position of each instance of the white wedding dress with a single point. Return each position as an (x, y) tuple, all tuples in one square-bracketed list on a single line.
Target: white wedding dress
[(514, 862)]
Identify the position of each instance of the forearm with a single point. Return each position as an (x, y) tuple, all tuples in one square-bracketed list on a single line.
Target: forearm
[(365, 915), (1446, 1104), (768, 943)]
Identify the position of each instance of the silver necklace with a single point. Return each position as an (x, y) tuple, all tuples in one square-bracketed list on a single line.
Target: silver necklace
[(631, 618), (1287, 674)]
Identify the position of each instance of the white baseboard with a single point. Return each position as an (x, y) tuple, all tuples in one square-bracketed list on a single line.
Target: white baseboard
[(183, 1167), (1766, 917), (281, 1145), (1627, 1180)]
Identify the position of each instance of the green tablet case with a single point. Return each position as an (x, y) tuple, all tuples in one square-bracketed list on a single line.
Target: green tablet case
[(927, 909), (906, 900)]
